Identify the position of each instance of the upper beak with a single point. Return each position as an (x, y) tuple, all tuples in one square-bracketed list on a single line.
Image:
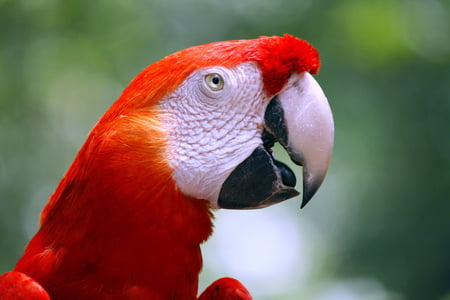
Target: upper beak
[(300, 119)]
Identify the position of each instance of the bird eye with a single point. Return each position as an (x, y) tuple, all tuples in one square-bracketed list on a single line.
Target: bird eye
[(214, 81)]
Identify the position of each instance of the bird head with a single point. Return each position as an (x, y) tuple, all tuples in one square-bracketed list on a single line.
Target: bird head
[(223, 105), (215, 111)]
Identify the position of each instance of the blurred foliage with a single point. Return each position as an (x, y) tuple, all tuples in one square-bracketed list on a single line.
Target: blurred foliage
[(384, 210)]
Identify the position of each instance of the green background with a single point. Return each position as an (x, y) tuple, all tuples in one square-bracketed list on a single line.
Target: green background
[(380, 224)]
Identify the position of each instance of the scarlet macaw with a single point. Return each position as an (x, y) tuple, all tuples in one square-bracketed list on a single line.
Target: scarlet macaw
[(191, 133)]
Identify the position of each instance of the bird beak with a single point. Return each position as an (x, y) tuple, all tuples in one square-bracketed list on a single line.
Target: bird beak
[(300, 119), (306, 129)]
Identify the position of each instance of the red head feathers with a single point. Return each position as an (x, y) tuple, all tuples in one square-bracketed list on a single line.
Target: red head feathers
[(277, 57)]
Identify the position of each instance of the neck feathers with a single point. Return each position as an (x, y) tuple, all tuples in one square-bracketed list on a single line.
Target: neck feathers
[(118, 219)]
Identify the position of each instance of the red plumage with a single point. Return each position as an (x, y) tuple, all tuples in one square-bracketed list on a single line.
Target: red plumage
[(117, 227)]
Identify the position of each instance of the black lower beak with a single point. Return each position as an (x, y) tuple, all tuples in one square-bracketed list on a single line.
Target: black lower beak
[(259, 181)]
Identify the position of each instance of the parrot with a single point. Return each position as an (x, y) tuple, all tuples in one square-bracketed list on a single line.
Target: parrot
[(192, 133)]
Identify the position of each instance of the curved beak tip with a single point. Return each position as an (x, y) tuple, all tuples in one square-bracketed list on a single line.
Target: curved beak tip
[(309, 190), (305, 201)]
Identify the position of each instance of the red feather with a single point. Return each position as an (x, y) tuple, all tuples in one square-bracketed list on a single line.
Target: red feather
[(226, 289), (117, 227), (18, 286)]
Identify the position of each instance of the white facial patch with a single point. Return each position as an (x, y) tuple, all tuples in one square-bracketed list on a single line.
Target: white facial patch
[(214, 121)]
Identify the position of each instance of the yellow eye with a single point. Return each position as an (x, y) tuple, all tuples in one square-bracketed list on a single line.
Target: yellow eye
[(214, 81)]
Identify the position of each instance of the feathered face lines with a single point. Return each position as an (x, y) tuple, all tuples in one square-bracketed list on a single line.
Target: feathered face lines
[(217, 119)]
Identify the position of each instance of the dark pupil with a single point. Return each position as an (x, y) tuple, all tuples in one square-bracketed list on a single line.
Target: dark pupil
[(215, 80)]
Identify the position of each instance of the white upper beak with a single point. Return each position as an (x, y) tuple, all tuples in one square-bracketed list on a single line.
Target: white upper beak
[(310, 129)]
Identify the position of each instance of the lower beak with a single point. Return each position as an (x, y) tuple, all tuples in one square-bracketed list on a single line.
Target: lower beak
[(300, 119)]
